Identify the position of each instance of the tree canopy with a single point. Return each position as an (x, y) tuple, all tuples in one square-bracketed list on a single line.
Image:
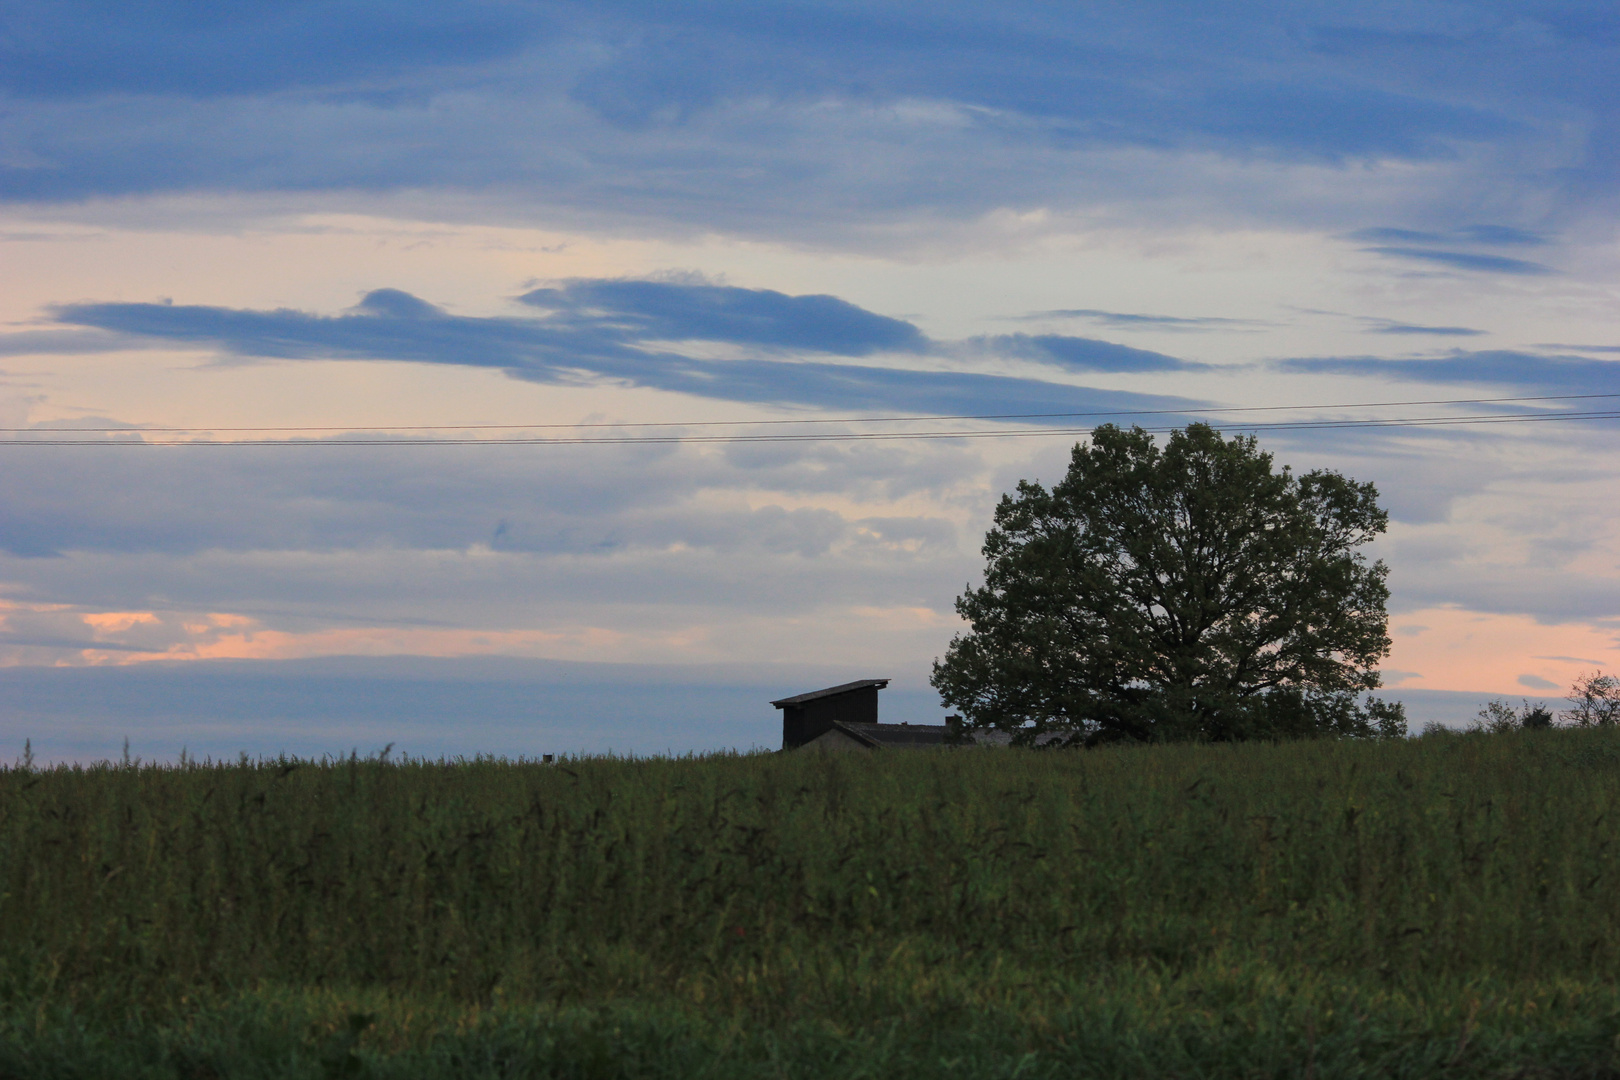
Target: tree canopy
[(1189, 591)]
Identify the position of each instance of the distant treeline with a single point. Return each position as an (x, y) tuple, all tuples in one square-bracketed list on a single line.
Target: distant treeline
[(1435, 906)]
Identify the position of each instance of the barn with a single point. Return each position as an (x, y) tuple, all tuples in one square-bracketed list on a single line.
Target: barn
[(845, 717)]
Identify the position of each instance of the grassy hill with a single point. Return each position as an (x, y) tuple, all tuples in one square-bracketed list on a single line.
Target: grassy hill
[(1444, 906)]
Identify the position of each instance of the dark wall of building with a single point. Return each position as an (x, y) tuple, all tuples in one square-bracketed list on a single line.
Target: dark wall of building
[(801, 723)]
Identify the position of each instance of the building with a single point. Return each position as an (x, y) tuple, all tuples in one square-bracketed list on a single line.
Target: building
[(845, 717)]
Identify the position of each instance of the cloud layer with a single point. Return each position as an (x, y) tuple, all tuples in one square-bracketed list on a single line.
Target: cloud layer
[(625, 330), (1500, 368), (788, 121)]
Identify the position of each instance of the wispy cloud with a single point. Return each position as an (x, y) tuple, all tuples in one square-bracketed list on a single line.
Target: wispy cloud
[(1132, 321), (1388, 235), (1490, 235), (63, 342), (1464, 260), (1504, 235), (1441, 248), (789, 122), (1499, 367), (661, 310), (1083, 354), (75, 49), (629, 331), (1390, 326)]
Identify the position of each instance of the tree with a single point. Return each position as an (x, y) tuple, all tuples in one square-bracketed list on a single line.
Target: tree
[(1183, 592), (1594, 700), (1497, 716)]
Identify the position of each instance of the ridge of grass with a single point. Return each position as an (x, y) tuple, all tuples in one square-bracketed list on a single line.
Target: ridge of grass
[(1438, 906)]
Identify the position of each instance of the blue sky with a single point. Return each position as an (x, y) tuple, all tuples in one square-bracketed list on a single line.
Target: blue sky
[(367, 220)]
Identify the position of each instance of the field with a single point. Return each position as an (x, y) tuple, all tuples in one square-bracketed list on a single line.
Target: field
[(1444, 906)]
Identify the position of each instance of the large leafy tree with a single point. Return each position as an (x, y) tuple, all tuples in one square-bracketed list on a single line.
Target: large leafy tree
[(1188, 591)]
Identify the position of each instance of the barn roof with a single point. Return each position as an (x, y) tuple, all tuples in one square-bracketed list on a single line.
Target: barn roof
[(897, 735), (858, 684)]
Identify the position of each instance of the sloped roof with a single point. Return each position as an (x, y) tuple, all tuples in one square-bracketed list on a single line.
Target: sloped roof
[(858, 684), (897, 735)]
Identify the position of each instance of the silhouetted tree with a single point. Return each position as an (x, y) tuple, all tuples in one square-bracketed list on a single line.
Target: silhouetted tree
[(1498, 716), (1188, 591), (1594, 701)]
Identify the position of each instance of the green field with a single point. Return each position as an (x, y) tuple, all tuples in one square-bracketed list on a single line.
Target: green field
[(1443, 906)]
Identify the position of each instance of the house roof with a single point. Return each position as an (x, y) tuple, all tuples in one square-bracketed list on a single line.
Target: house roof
[(858, 684), (896, 735)]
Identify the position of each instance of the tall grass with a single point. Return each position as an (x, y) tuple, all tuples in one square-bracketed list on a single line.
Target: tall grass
[(776, 891)]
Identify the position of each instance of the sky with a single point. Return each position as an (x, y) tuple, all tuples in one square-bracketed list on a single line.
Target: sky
[(389, 255)]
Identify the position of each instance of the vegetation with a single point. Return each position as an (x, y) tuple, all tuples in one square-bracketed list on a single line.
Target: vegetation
[(1436, 906), (1594, 701), (1496, 717), (1182, 592)]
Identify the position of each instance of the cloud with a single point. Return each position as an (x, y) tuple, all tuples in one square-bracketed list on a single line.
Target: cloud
[(660, 310), (804, 123), (1440, 248), (1536, 682), (1506, 368), (1583, 348), (1495, 235), (566, 500), (63, 342), (621, 330), (1130, 321), (1470, 139), (77, 49), (1540, 543), (646, 68), (1084, 354), (1465, 260), (1384, 234), (1505, 235), (1390, 326), (529, 549)]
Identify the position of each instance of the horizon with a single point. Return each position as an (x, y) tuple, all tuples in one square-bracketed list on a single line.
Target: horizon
[(509, 707)]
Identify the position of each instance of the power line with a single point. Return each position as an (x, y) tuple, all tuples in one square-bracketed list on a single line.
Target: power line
[(834, 420), (869, 436)]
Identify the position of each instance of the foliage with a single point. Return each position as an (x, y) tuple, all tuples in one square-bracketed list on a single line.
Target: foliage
[(1594, 701), (1229, 1020), (1365, 908), (1188, 591), (1594, 697), (1497, 716)]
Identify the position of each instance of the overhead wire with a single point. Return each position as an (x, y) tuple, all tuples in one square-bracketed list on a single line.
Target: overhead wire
[(780, 436), (801, 420), (868, 436)]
